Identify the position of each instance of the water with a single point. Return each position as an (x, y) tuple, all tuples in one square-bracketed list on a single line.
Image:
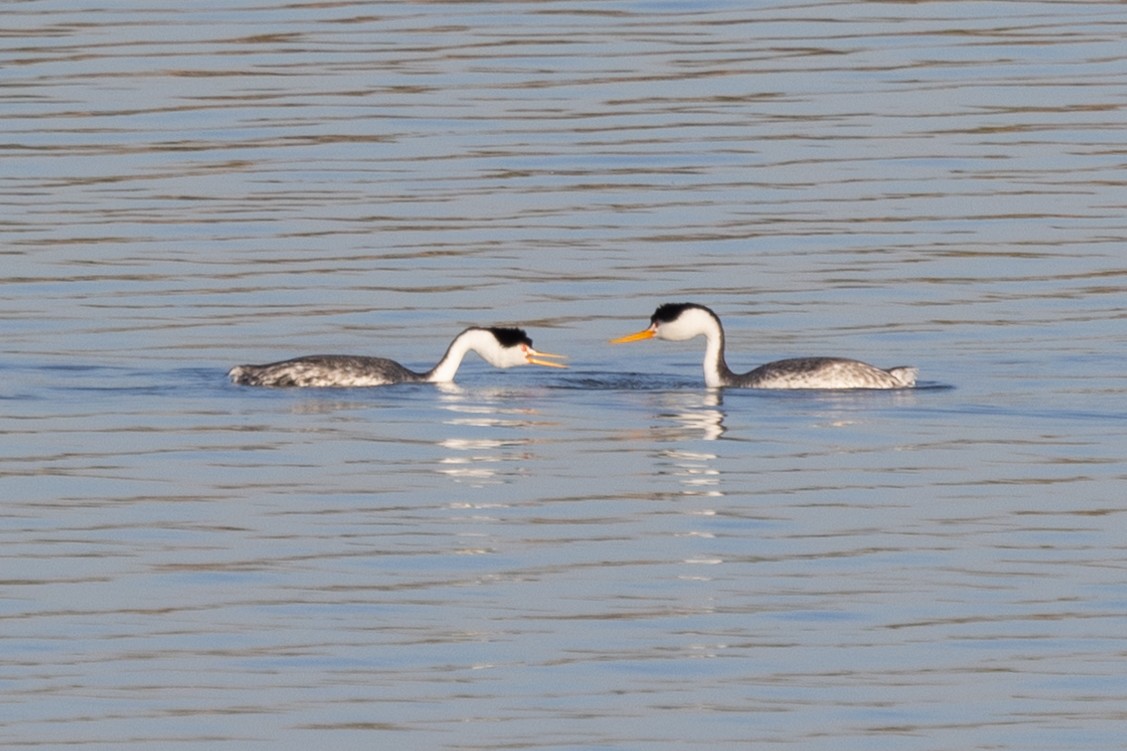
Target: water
[(605, 557)]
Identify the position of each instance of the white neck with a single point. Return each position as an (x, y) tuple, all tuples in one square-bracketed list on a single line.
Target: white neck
[(694, 322), (475, 340), (714, 365)]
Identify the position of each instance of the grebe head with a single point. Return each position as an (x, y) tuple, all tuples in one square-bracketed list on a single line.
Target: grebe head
[(508, 347), (676, 322)]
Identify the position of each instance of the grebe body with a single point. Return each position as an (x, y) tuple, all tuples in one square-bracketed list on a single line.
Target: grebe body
[(500, 347), (681, 321)]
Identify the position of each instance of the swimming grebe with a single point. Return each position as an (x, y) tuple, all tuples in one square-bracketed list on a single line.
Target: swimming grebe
[(500, 347), (679, 321)]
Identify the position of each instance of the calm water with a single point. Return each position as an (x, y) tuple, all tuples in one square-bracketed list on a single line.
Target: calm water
[(608, 557)]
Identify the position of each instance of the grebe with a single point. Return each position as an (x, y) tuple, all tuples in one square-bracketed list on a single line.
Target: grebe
[(500, 347), (679, 321)]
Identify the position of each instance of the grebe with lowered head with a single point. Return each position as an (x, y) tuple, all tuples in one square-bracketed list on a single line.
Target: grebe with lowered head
[(679, 321), (500, 347)]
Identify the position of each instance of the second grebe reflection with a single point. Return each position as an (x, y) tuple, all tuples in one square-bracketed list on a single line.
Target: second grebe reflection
[(696, 415)]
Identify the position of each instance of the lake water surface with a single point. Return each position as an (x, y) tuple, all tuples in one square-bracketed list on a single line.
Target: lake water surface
[(610, 556)]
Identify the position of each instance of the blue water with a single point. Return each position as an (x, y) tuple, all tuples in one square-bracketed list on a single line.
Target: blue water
[(607, 557)]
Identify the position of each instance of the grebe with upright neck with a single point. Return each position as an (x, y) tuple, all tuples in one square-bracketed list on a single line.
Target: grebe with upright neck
[(500, 347), (679, 321)]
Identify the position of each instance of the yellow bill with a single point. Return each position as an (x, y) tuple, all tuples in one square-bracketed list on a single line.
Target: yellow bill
[(644, 334), (533, 358)]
